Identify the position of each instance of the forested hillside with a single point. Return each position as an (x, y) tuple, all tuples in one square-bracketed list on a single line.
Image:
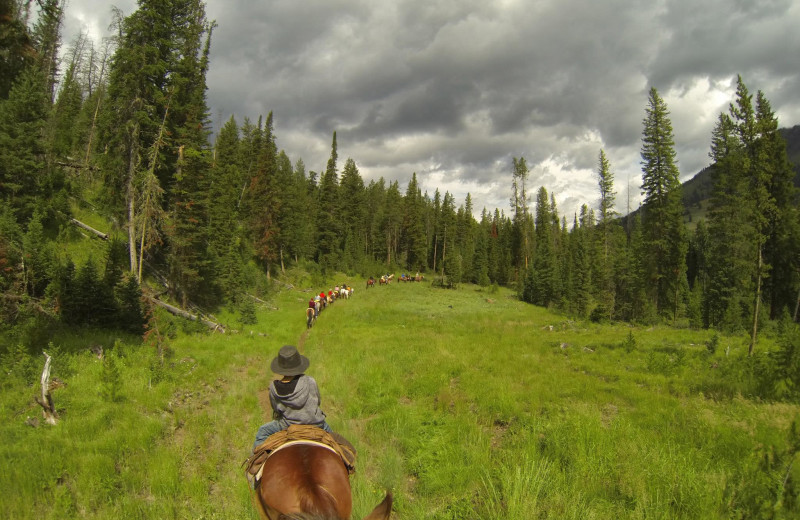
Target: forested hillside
[(697, 190), (116, 136)]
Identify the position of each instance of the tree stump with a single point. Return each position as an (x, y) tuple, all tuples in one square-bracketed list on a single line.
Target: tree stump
[(46, 400)]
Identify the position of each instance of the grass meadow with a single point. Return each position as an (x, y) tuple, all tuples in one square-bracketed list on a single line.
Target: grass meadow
[(466, 403)]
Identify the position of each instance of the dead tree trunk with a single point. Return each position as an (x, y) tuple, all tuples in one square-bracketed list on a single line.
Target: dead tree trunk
[(46, 401), (756, 303), (90, 229), (189, 316)]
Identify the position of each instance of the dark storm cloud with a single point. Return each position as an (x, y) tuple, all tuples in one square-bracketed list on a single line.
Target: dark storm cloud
[(454, 89)]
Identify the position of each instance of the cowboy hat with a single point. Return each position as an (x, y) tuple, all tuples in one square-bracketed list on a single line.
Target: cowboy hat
[(289, 362)]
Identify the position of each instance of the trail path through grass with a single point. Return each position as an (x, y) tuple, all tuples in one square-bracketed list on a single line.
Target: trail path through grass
[(467, 404)]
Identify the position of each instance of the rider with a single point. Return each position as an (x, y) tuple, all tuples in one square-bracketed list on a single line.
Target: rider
[(313, 305), (295, 397)]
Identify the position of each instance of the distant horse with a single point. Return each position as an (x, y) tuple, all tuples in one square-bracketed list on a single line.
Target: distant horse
[(419, 278), (311, 316), (344, 293), (307, 480), (383, 281), (370, 283)]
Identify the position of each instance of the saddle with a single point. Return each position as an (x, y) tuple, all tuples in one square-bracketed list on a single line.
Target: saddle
[(297, 434)]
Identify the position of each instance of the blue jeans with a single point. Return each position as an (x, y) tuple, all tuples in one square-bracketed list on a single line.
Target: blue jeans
[(274, 427)]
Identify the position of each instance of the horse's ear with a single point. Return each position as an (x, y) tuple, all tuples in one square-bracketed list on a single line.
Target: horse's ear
[(383, 510)]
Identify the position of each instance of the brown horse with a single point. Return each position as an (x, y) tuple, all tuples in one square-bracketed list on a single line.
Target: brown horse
[(309, 481), (311, 317), (370, 283)]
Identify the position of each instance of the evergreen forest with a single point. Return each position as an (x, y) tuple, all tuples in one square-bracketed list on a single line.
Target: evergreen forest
[(113, 139)]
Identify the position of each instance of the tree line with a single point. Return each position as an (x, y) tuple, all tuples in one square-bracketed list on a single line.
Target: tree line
[(122, 126)]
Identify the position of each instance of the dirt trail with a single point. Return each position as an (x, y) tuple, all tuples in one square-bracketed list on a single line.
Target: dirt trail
[(302, 341)]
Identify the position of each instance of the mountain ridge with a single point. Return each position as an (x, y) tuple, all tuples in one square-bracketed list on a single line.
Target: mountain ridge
[(697, 190)]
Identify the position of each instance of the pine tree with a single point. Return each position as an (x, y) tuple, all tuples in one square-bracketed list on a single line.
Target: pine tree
[(466, 239), (759, 163), (23, 118), (582, 279), (447, 220), (606, 230), (730, 226), (664, 232), (376, 211), (263, 200), (225, 232), (543, 280), (11, 275), (15, 40), (161, 58), (37, 257), (328, 229), (522, 242), (352, 213), (782, 244), (129, 311), (66, 110), (96, 83), (435, 241), (698, 273), (94, 299), (149, 213), (191, 268), (640, 305), (305, 229), (46, 36), (414, 227), (480, 260)]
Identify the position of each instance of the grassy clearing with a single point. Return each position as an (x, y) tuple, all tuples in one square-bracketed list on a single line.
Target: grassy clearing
[(468, 404)]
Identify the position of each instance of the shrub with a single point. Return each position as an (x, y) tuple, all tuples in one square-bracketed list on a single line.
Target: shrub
[(787, 361), (630, 343), (247, 311), (713, 344), (767, 486), (129, 311), (110, 378), (600, 314)]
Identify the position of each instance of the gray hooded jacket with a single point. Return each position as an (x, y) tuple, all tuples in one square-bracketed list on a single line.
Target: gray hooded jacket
[(299, 407)]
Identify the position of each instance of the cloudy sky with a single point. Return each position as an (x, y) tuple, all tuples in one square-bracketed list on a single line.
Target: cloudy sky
[(453, 89)]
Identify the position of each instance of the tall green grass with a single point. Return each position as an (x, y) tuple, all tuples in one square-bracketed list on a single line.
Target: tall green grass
[(468, 404)]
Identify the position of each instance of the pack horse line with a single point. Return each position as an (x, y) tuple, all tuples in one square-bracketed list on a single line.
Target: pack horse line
[(300, 468), (386, 279), (321, 301)]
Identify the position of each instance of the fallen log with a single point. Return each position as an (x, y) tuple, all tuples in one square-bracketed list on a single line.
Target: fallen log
[(189, 316), (259, 300), (88, 228), (76, 166)]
